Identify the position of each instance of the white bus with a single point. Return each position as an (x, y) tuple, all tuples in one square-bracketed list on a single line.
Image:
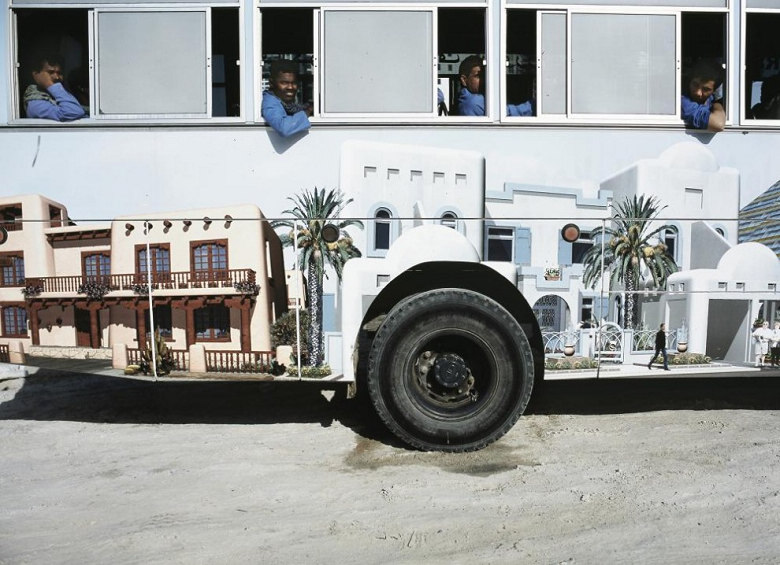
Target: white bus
[(173, 121)]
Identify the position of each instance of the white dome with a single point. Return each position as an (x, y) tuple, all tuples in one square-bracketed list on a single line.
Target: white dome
[(689, 155), (430, 243), (750, 261)]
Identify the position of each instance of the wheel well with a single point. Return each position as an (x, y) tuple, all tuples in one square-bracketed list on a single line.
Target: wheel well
[(450, 274)]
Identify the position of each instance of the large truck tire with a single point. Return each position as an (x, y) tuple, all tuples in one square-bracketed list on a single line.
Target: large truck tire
[(450, 370)]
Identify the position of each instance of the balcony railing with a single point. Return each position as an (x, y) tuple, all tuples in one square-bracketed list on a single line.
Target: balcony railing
[(137, 282)]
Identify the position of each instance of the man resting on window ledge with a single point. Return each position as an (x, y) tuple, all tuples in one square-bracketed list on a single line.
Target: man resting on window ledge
[(698, 108), (47, 98), (280, 108)]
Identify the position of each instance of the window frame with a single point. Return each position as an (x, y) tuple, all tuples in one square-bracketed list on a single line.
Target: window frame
[(19, 307), (100, 277), (318, 11), (92, 12), (393, 223), (762, 123), (213, 338), (211, 273), (140, 267), (570, 118), (13, 255), (509, 237)]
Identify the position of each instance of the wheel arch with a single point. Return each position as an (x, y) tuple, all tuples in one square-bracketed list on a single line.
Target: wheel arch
[(475, 277)]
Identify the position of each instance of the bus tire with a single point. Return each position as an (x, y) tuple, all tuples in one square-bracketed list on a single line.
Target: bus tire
[(450, 370)]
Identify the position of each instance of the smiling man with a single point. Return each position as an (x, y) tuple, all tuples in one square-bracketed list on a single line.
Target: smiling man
[(47, 98), (699, 109), (280, 107)]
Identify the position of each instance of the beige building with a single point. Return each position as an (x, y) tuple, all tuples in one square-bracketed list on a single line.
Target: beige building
[(217, 277)]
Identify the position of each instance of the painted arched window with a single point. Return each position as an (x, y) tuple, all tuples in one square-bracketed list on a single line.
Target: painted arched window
[(382, 227), (449, 219), (209, 260)]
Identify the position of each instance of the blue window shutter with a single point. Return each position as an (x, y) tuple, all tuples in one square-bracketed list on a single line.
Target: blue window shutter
[(564, 251), (328, 313), (600, 307), (523, 246)]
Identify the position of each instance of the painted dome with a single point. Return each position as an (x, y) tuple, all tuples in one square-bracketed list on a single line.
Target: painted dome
[(430, 243), (690, 155), (750, 261)]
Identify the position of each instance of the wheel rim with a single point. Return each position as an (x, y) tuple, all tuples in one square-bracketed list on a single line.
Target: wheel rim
[(450, 374)]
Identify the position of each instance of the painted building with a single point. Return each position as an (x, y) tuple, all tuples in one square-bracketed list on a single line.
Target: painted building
[(216, 277), (760, 219)]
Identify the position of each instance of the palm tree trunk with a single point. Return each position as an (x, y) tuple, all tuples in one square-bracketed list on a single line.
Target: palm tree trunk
[(314, 287), (630, 301)]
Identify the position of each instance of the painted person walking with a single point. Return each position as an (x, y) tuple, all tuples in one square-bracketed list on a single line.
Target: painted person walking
[(660, 347)]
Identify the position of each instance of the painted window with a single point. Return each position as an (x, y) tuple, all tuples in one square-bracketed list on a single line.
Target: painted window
[(209, 260), (162, 321), (212, 323), (199, 78), (499, 243), (11, 216), (670, 237), (581, 247), (159, 260), (12, 269), (96, 266), (450, 220), (14, 321), (382, 229)]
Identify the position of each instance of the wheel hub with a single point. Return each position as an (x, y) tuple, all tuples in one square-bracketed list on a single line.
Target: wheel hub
[(450, 371)]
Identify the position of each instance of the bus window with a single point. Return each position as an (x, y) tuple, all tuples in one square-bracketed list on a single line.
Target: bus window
[(521, 60), (288, 33), (461, 33), (60, 33), (225, 70), (703, 39), (762, 66)]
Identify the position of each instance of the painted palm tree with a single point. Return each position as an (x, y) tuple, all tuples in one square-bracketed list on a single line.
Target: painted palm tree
[(631, 251), (313, 210)]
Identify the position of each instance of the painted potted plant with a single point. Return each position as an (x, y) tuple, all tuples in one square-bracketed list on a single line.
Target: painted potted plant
[(682, 339), (552, 273)]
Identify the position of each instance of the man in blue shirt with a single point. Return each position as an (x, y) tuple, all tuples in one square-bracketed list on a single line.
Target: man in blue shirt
[(698, 108), (47, 98), (471, 101), (280, 108)]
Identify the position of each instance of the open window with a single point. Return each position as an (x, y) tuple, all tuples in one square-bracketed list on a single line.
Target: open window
[(607, 64), (59, 33), (762, 65), (461, 34), (288, 33), (159, 63)]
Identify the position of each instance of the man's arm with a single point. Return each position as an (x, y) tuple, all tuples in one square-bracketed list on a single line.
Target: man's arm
[(67, 108), (717, 121), (710, 115), (274, 113), (524, 109)]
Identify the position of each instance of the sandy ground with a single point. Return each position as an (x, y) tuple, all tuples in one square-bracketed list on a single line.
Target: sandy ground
[(101, 469)]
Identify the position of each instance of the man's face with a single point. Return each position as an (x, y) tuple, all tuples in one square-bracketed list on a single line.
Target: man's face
[(48, 75), (285, 86), (701, 89), (473, 81)]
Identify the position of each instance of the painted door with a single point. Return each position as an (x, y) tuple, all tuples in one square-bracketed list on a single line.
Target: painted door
[(82, 328)]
